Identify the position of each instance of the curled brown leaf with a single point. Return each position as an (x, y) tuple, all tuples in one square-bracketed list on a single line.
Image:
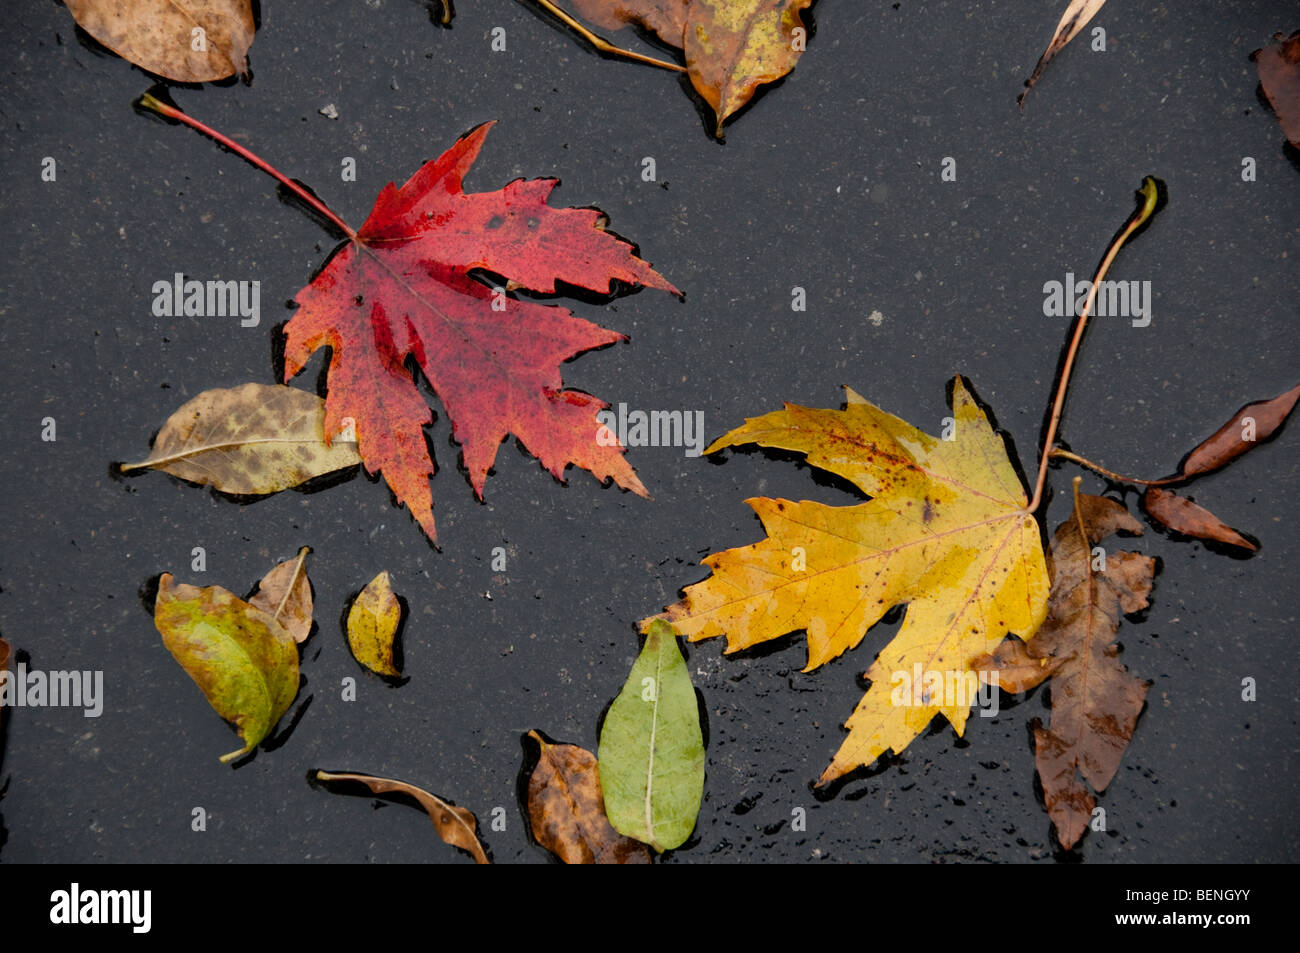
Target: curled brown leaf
[(457, 826), (1095, 700)]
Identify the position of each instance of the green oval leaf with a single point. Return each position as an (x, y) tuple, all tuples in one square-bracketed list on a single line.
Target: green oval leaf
[(245, 662), (651, 747), (251, 439)]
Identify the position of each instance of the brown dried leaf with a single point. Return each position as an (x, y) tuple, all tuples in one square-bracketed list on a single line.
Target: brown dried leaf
[(1279, 74), (1095, 701), (457, 826), (1075, 18), (664, 18), (1183, 516), (1252, 425), (285, 592), (567, 810), (193, 42), (1018, 670)]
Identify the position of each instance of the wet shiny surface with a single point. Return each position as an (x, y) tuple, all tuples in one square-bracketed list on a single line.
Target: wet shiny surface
[(830, 182)]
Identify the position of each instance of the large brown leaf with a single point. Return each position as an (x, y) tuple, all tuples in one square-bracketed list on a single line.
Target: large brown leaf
[(1095, 701)]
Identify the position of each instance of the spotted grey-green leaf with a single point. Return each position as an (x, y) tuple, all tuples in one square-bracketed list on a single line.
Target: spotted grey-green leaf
[(651, 755), (245, 662), (250, 439)]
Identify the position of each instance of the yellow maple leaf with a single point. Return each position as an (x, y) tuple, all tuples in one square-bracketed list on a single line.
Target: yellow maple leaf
[(946, 531)]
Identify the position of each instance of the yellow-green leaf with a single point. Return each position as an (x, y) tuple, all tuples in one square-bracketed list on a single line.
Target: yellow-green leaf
[(734, 46), (651, 756), (251, 439), (946, 532), (244, 661), (372, 626)]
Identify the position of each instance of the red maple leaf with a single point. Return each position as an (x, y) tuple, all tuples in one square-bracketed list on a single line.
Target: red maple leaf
[(402, 287)]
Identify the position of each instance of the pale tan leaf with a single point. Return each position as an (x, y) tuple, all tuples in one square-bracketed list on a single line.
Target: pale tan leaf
[(191, 41), (251, 439)]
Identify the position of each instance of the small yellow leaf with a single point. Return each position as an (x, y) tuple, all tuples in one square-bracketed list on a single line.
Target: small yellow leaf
[(372, 626)]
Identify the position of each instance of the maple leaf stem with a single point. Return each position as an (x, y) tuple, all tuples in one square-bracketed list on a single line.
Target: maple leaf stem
[(1111, 474), (171, 112), (1148, 197), (1078, 516), (603, 45)]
